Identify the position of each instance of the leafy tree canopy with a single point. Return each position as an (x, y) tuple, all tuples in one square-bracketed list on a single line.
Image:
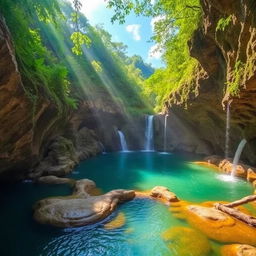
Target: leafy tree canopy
[(176, 20)]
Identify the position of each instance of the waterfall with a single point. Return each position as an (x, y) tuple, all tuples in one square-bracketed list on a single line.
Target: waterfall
[(165, 131), (237, 156), (122, 141), (149, 134), (227, 131)]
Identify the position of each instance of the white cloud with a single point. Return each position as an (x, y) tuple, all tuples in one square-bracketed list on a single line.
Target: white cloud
[(155, 52), (134, 29), (155, 20), (89, 7)]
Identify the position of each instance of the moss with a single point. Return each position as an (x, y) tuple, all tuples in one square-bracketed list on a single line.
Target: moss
[(223, 23), (237, 75)]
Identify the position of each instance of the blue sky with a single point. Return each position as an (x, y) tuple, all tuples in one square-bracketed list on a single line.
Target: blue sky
[(135, 33)]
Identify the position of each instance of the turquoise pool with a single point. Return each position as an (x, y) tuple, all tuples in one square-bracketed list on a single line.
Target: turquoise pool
[(146, 220)]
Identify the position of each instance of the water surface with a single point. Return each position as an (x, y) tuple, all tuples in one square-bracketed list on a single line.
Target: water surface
[(145, 219)]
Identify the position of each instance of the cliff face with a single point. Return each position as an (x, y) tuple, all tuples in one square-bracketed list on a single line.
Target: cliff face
[(41, 139), (16, 130), (225, 46)]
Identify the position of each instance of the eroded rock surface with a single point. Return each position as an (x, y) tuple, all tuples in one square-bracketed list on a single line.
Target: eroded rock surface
[(211, 214), (81, 208), (163, 193), (55, 180), (198, 123), (238, 250), (185, 241), (226, 165)]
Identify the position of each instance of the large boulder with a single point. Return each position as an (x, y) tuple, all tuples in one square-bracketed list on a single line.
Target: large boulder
[(81, 208), (164, 194), (60, 159)]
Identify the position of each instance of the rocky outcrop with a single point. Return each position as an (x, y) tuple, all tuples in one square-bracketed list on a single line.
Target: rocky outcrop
[(37, 137), (226, 165), (51, 179), (238, 250), (81, 208), (226, 72), (163, 193), (26, 126)]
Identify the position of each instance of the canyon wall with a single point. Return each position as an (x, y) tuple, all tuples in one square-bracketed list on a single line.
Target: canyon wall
[(225, 47), (42, 138)]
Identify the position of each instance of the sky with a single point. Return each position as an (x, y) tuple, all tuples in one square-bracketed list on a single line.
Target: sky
[(135, 33)]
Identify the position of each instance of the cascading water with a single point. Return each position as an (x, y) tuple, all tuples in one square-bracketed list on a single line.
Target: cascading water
[(165, 131), (123, 142), (237, 156), (227, 130), (149, 134)]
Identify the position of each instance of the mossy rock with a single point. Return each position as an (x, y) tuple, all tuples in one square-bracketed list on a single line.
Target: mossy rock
[(183, 241)]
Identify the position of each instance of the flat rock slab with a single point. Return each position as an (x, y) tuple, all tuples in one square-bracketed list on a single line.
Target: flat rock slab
[(55, 180), (81, 208), (208, 213)]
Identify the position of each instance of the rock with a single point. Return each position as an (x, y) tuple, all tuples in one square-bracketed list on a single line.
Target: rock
[(238, 250), (226, 165), (251, 175), (83, 187), (219, 226), (185, 241), (117, 222), (55, 180), (199, 104), (164, 193), (79, 209), (87, 144), (60, 160), (210, 213), (214, 159)]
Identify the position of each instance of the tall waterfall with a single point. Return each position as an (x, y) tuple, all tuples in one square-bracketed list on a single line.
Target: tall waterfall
[(149, 134), (227, 130), (237, 156), (165, 131), (123, 142)]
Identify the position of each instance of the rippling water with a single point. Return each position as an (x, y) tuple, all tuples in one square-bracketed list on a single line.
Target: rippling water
[(145, 219)]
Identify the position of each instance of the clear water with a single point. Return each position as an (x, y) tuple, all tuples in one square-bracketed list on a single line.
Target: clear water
[(145, 219)]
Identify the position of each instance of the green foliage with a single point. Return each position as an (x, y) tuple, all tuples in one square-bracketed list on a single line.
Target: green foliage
[(41, 70), (236, 78), (176, 23), (79, 39), (97, 66), (45, 44), (223, 23)]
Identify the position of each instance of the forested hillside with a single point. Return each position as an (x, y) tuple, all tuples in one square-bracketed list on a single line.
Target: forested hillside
[(51, 64)]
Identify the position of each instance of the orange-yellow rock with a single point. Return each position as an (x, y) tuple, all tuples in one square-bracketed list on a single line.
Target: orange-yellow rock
[(183, 241), (251, 175), (219, 226), (227, 166), (117, 222), (238, 250)]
